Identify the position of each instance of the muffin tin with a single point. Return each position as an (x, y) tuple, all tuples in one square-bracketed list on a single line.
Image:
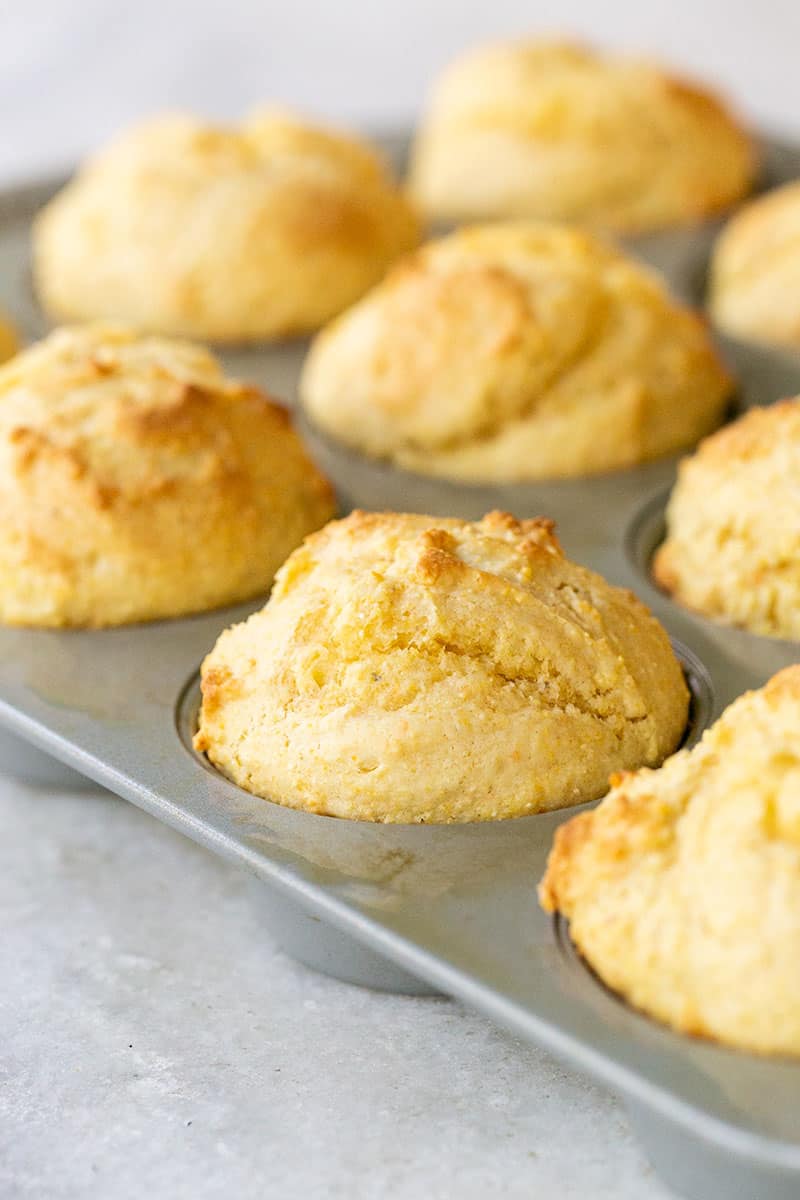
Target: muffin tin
[(437, 908)]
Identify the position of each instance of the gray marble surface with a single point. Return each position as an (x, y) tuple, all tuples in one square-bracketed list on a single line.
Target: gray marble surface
[(156, 1043)]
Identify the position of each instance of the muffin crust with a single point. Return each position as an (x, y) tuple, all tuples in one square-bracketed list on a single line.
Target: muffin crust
[(558, 131), (732, 549), (260, 231), (682, 888), (755, 270), (418, 669), (513, 352), (137, 482)]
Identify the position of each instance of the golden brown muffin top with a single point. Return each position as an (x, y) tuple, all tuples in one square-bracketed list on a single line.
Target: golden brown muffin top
[(516, 350), (755, 270), (410, 668), (732, 549), (683, 887), (138, 481), (561, 131), (237, 233)]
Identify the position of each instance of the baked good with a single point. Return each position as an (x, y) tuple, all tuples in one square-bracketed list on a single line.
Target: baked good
[(137, 482), (755, 270), (9, 342), (253, 232), (683, 888), (417, 669), (732, 548), (559, 131), (512, 352)]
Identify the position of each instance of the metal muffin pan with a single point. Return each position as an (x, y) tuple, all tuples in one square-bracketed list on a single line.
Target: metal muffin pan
[(447, 909)]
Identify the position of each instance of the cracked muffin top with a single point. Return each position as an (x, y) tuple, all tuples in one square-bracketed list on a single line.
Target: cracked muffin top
[(682, 888), (415, 669), (732, 549), (136, 482), (558, 131), (513, 352), (242, 233)]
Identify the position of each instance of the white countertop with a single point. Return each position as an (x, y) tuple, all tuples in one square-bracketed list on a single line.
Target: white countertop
[(157, 1044)]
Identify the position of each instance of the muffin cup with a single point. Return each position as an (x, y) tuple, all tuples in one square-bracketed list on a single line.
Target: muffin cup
[(320, 946), (21, 760)]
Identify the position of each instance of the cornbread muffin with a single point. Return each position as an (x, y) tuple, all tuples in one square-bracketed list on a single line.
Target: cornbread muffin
[(512, 352), (239, 234), (418, 669), (9, 342), (555, 130), (683, 888), (732, 548), (755, 270), (137, 482)]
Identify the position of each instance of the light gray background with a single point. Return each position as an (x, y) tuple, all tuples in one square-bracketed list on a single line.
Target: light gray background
[(71, 71), (155, 1043)]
